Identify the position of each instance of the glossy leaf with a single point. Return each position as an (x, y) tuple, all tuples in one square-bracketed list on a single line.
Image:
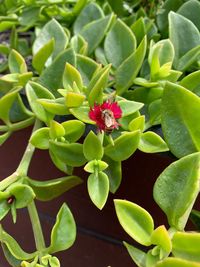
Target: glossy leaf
[(70, 154), (174, 262), (9, 257), (89, 32), (42, 55), (137, 124), (113, 46), (136, 221), (114, 173), (79, 45), (137, 255), (81, 113), (129, 107), (4, 208), (191, 81), (124, 146), (188, 59), (92, 147), (139, 30), (70, 76), (52, 30), (48, 190), (95, 165), (183, 174), (179, 30), (186, 246), (14, 247), (74, 129), (51, 77), (130, 67), (89, 13), (64, 231), (56, 130), (40, 138), (150, 142), (55, 106), (16, 62), (179, 122), (154, 111), (98, 188), (60, 164), (73, 100), (35, 91)]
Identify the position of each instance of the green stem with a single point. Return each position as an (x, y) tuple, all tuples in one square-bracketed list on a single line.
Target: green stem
[(37, 229), (26, 159), (17, 126), (9, 180)]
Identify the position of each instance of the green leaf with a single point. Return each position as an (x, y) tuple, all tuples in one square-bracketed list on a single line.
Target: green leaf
[(129, 107), (95, 165), (136, 221), (114, 173), (64, 231), (150, 142), (48, 190), (98, 188), (70, 76), (14, 247), (74, 129), (161, 238), (137, 255), (56, 130), (6, 103), (130, 67), (40, 58), (51, 77), (97, 85), (16, 62), (154, 110), (9, 257), (55, 106), (186, 246), (81, 113), (195, 218), (92, 147), (79, 44), (40, 138), (180, 29), (73, 100), (60, 164), (191, 81), (51, 30), (188, 59), (137, 124), (116, 52), (35, 91), (124, 146), (29, 16), (4, 208), (139, 30), (174, 262), (182, 174), (70, 154), (180, 113), (117, 6), (23, 194), (87, 67), (89, 13), (4, 137), (89, 32)]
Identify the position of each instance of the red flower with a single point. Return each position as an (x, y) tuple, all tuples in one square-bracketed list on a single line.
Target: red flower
[(105, 115)]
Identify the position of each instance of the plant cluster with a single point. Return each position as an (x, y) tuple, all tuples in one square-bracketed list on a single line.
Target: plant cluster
[(96, 79)]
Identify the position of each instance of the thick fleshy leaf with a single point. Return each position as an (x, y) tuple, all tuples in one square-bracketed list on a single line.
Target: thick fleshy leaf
[(40, 138), (52, 30), (139, 30), (192, 82), (79, 45), (98, 188), (81, 113), (56, 130), (70, 154), (188, 59), (73, 100), (14, 247), (161, 238), (180, 113), (136, 221), (92, 147), (154, 112), (87, 67), (182, 174), (60, 164), (16, 63), (35, 91), (186, 246), (137, 124), (74, 129), (130, 67), (115, 50), (40, 58), (151, 142), (9, 257), (95, 165), (64, 231), (54, 106), (89, 13), (137, 255), (124, 146), (23, 194), (89, 32), (47, 190), (51, 77), (114, 172), (129, 107), (175, 262), (4, 208), (179, 30), (70, 76)]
